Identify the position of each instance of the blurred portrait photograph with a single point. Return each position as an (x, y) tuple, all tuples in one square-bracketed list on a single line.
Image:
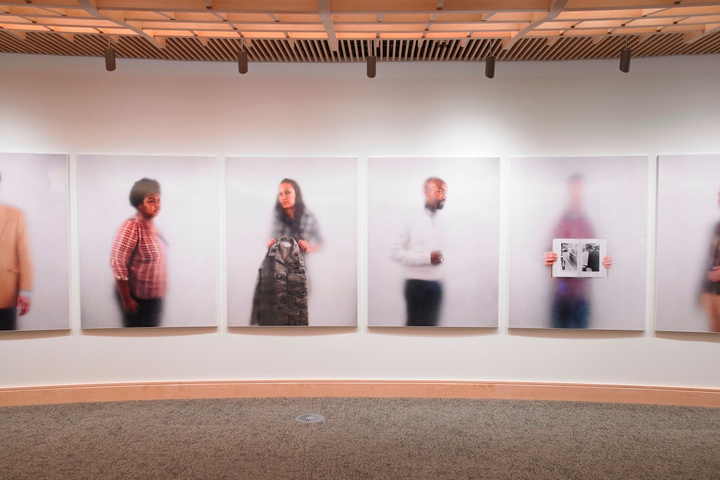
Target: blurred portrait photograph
[(577, 242), (292, 241), (433, 242), (688, 243), (148, 241), (34, 242)]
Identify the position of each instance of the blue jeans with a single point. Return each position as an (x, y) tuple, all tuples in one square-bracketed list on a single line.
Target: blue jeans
[(570, 313)]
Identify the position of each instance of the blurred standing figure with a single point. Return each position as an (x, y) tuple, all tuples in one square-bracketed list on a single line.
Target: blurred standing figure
[(16, 269), (419, 248), (138, 259), (570, 306), (711, 283)]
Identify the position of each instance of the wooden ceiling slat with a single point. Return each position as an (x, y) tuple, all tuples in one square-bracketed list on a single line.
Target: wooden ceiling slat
[(301, 45), (261, 51), (410, 30), (558, 50), (483, 49), (176, 51), (523, 48), (645, 48), (535, 48), (356, 54), (277, 53), (284, 47), (453, 50), (215, 54), (223, 46), (574, 48), (314, 51), (330, 55)]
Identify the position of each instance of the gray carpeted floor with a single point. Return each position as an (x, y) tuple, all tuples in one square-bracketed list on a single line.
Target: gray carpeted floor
[(359, 439)]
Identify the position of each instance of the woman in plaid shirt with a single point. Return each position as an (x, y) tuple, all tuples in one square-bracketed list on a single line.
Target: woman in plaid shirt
[(138, 259)]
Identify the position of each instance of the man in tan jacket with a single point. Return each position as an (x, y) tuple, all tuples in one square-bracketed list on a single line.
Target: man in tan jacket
[(16, 271)]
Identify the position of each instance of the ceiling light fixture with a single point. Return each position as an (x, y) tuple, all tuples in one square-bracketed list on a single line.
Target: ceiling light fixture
[(625, 58), (372, 63), (490, 66), (242, 59), (109, 58)]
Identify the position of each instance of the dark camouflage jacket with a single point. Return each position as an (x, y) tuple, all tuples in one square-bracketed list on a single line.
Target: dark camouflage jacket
[(281, 294)]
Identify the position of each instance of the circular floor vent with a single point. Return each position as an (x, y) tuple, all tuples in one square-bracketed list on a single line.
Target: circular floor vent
[(309, 418)]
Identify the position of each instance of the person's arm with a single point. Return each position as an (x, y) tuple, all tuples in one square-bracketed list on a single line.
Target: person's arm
[(401, 252), (23, 303), (128, 304), (124, 245), (312, 240), (26, 267)]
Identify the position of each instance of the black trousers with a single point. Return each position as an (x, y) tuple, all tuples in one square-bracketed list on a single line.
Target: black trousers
[(8, 318), (423, 299), (147, 315)]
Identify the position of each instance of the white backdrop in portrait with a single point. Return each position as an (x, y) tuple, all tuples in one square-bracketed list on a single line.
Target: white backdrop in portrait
[(330, 190), (688, 188), (471, 222), (37, 184), (614, 198), (188, 221)]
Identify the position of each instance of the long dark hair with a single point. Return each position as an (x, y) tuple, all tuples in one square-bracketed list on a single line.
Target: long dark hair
[(299, 206)]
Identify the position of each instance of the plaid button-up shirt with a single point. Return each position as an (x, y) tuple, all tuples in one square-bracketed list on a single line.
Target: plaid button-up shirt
[(138, 255)]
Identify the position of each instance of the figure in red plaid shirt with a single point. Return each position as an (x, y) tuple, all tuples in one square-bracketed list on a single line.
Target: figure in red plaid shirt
[(138, 259)]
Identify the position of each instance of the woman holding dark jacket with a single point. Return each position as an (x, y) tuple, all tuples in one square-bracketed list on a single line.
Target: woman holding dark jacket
[(281, 292)]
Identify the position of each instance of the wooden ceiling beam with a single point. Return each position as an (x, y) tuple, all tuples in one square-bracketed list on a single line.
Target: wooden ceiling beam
[(555, 10), (326, 19)]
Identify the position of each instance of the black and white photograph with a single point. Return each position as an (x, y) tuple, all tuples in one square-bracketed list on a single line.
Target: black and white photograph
[(34, 242), (579, 257), (433, 242), (688, 244), (583, 202), (148, 241), (292, 241)]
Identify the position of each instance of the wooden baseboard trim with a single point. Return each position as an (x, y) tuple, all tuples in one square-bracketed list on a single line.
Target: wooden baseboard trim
[(356, 388)]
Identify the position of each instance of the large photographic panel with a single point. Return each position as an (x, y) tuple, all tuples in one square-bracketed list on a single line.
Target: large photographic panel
[(324, 293), (688, 247), (179, 250), (34, 241), (406, 286), (579, 198)]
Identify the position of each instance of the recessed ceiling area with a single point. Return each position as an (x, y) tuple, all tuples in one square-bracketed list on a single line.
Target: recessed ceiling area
[(350, 30)]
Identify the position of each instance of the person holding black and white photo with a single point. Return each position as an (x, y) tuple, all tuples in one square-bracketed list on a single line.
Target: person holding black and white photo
[(570, 305)]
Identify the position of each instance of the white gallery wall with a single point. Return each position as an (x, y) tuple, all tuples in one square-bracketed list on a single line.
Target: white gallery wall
[(73, 106)]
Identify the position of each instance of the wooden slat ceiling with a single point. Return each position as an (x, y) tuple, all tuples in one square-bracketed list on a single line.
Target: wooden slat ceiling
[(349, 30)]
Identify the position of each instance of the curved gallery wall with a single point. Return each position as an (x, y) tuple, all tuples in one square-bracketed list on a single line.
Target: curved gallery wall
[(570, 109)]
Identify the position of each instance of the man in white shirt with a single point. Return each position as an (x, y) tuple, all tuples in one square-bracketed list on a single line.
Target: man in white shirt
[(419, 249)]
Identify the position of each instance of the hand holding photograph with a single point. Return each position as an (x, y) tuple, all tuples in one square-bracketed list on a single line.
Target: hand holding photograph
[(577, 257)]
